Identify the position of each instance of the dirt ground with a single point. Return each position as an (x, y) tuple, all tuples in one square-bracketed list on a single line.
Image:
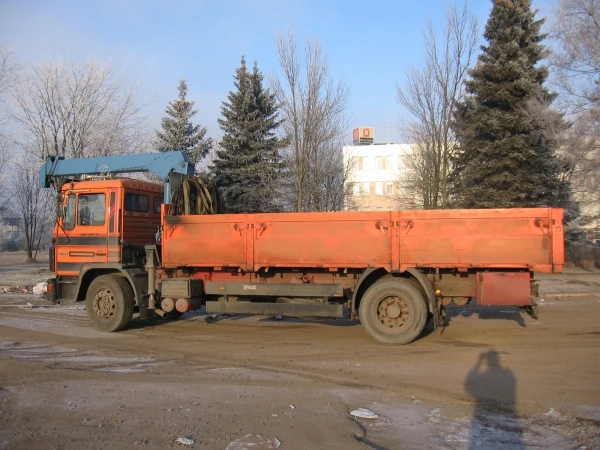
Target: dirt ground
[(491, 379)]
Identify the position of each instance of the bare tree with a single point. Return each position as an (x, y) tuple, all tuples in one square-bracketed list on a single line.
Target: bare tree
[(5, 155), (576, 61), (576, 75), (32, 205), (429, 95), (8, 68), (419, 183), (313, 107), (74, 112)]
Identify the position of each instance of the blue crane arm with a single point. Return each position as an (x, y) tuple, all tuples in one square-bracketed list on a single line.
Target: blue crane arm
[(160, 164)]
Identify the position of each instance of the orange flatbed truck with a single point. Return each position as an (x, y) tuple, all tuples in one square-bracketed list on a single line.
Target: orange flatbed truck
[(117, 246)]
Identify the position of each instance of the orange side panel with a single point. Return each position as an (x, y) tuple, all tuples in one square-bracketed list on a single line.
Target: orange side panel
[(205, 241), (500, 238), (509, 238), (328, 240)]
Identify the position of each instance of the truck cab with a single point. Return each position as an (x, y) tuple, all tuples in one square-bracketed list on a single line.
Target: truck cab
[(102, 225)]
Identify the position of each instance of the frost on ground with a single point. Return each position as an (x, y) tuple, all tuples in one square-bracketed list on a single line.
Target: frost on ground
[(70, 358), (488, 430)]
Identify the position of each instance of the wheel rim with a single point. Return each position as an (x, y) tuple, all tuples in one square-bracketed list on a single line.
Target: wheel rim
[(104, 303), (394, 314)]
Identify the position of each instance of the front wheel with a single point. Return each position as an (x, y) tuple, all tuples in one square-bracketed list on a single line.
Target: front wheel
[(109, 302), (393, 311)]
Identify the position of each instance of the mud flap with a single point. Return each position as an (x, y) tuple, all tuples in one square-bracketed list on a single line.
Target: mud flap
[(50, 293), (532, 310)]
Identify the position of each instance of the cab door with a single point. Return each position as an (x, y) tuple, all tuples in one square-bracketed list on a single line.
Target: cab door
[(84, 234)]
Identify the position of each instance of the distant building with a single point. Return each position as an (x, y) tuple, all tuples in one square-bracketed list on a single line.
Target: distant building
[(11, 233), (586, 191), (375, 177)]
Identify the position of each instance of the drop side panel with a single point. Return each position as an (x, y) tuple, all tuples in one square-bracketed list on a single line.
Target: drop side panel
[(322, 240), (216, 241), (507, 238)]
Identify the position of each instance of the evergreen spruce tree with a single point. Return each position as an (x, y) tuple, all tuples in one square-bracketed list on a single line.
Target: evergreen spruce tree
[(178, 131), (248, 162), (505, 127)]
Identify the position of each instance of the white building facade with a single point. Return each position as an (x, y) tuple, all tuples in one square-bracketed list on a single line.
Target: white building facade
[(375, 175)]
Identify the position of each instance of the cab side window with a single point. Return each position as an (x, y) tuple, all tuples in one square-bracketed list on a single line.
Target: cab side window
[(136, 203), (69, 213), (91, 209), (156, 202)]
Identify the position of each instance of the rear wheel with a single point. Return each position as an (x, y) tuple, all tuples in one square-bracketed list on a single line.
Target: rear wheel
[(109, 302), (393, 311)]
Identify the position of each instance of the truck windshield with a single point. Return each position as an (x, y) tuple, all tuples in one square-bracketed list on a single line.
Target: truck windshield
[(69, 213), (91, 209)]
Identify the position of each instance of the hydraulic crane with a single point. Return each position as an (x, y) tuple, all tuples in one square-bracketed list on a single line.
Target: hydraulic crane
[(58, 170)]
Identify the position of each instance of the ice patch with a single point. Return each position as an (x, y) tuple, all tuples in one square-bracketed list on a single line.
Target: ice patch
[(364, 413), (69, 357), (254, 442)]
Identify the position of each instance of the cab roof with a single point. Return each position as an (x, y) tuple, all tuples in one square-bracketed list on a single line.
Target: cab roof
[(124, 183)]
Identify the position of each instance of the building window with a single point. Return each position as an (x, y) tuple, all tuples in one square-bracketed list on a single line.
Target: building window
[(379, 208), (379, 188), (387, 163), (355, 189), (362, 163), (378, 163), (366, 188), (389, 188)]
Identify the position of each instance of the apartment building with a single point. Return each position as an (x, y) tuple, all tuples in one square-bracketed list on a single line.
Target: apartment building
[(375, 174)]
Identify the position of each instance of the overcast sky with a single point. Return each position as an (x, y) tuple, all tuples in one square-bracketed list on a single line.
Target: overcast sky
[(370, 44)]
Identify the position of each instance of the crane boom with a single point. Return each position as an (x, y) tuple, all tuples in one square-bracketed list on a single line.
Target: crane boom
[(164, 165)]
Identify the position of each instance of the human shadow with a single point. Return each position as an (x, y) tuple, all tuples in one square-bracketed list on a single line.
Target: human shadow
[(495, 423)]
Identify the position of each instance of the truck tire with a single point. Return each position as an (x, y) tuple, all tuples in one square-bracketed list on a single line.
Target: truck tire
[(393, 311), (109, 302)]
